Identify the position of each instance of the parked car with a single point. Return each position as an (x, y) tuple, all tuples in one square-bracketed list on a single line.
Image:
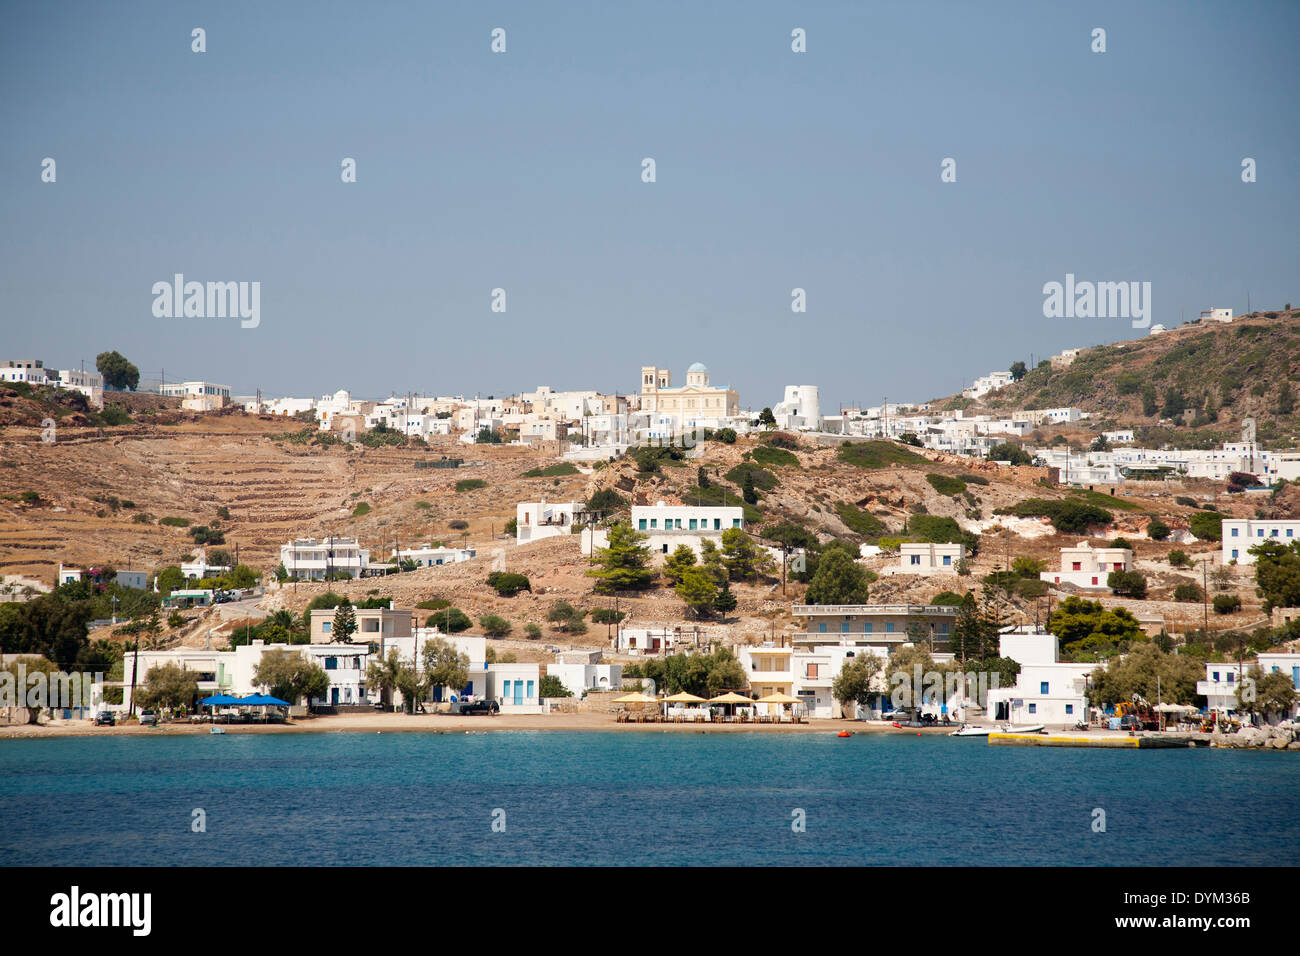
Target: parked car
[(148, 718), (105, 719), (479, 707)]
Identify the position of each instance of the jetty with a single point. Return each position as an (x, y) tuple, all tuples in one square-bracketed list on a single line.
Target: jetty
[(1147, 741)]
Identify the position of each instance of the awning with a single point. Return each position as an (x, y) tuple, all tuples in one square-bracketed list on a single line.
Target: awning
[(219, 700), (262, 700)]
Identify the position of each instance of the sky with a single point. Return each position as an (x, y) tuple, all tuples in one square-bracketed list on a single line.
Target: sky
[(522, 171)]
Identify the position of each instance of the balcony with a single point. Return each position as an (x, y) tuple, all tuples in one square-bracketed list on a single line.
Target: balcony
[(874, 610)]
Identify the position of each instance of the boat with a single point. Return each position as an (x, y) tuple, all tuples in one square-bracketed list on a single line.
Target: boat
[(966, 730), (844, 733), (216, 730), (1023, 729)]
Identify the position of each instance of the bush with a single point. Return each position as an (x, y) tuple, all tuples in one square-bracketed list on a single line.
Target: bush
[(175, 522), (533, 631), (494, 625), (434, 604), (725, 435), (877, 454), (946, 484), (1131, 584), (508, 584), (761, 478), (607, 615), (783, 440), (607, 499), (765, 455), (452, 620), (1178, 558), (551, 471), (1067, 516), (1226, 604), (947, 599), (1157, 530), (458, 524), (1207, 525), (361, 510), (470, 484), (1186, 502), (1187, 591), (859, 520)]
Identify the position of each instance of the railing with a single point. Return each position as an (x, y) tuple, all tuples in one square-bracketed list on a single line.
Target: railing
[(878, 609)]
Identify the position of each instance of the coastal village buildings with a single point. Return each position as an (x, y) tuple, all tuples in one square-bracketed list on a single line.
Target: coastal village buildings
[(34, 372), (928, 558), (1087, 567), (122, 576), (374, 624), (1242, 534), (697, 399), (427, 556), (1047, 690), (312, 559), (831, 634), (536, 520)]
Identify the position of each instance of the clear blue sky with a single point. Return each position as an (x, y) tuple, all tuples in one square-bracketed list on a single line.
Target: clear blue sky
[(522, 171)]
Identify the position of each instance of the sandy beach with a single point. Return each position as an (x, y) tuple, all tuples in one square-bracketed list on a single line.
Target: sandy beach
[(442, 723)]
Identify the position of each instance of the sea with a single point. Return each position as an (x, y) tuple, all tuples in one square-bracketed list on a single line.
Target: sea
[(550, 798)]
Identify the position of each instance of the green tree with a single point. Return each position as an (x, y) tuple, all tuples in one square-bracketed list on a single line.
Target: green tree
[(1206, 525), (445, 666), (345, 622), (117, 371), (1088, 631), (385, 675), (1006, 451), (494, 625), (552, 686), (725, 602), (855, 682), (697, 591), (677, 563), (747, 491), (623, 565), (1132, 584), (167, 687), (1157, 530), (169, 579), (766, 418), (1277, 572), (1018, 371), (838, 580), (1149, 672), (742, 558), (290, 675), (1271, 693)]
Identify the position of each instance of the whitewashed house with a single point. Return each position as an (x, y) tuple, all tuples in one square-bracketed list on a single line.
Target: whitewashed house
[(1047, 690), (1087, 567), (1242, 534), (929, 558)]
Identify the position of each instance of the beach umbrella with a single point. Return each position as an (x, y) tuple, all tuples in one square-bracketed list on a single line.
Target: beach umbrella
[(779, 699), (634, 699), (218, 700), (684, 698)]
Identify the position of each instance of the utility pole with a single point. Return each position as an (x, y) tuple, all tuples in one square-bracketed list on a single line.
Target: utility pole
[(1205, 595)]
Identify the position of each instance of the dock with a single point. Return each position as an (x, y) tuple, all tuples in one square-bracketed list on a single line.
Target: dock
[(1150, 741)]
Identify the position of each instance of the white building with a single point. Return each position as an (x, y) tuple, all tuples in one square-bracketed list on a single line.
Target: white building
[(199, 568), (1242, 534), (312, 559), (197, 396), (427, 556), (124, 577), (1087, 567), (800, 409), (28, 371), (1065, 358), (1216, 315), (1158, 329), (1288, 664), (1122, 436), (516, 687), (1047, 690), (536, 520), (667, 526), (578, 678), (90, 384), (929, 558), (987, 383), (1220, 685)]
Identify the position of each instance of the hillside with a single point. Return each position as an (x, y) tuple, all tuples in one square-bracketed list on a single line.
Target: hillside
[(1201, 379)]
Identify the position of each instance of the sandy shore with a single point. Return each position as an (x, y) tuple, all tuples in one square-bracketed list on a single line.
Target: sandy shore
[(441, 723)]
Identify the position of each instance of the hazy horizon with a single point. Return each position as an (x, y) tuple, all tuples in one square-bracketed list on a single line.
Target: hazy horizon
[(522, 170)]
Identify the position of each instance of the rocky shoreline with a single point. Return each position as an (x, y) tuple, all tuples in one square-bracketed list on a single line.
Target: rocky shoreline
[(1258, 738)]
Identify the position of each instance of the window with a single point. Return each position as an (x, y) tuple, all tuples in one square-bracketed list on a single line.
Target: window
[(813, 671), (889, 627), (1042, 687), (692, 527), (717, 524), (1076, 566), (654, 522), (1234, 532), (821, 627), (916, 559), (331, 663), (1033, 708), (735, 522), (1069, 709), (947, 559), (844, 627), (327, 626), (641, 525), (1234, 552)]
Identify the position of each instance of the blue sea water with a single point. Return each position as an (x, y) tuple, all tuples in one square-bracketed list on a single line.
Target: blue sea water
[(636, 798)]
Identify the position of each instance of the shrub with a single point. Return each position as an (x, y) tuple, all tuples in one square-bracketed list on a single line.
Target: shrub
[(508, 584), (760, 477), (1187, 591), (607, 499), (494, 625), (859, 520), (361, 510), (470, 484), (551, 471), (946, 484), (876, 454), (1179, 559), (534, 631), (175, 522), (783, 440), (1127, 583), (725, 435), (433, 604), (607, 615), (765, 455), (1157, 530), (947, 599), (452, 620), (1207, 525), (458, 524), (1226, 604)]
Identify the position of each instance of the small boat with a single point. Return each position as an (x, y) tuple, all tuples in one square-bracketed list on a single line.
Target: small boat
[(216, 730), (844, 733), (966, 730), (1024, 729)]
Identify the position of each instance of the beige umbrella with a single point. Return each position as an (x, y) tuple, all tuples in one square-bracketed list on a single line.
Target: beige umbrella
[(634, 699), (779, 700), (731, 697), (684, 698)]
